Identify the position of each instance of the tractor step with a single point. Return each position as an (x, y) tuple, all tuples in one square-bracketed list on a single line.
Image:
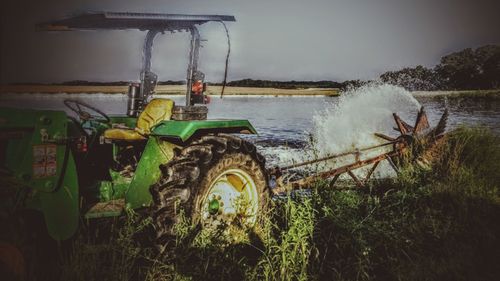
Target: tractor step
[(110, 208)]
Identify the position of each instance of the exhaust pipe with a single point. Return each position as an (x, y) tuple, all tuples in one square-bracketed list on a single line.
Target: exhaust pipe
[(134, 102)]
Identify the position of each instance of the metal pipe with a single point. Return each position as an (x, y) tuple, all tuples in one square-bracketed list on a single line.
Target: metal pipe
[(147, 50), (344, 169), (329, 157), (193, 61), (134, 101), (148, 79)]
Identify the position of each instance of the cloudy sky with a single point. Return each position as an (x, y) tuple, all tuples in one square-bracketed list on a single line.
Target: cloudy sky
[(272, 39)]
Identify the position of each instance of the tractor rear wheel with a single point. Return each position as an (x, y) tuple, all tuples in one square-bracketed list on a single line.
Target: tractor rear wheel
[(218, 181), (12, 262)]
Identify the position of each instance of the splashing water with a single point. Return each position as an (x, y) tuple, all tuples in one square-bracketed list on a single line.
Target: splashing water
[(352, 122)]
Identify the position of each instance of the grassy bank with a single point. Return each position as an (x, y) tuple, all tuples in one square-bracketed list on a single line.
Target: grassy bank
[(438, 223), (168, 90), (459, 94), (229, 91)]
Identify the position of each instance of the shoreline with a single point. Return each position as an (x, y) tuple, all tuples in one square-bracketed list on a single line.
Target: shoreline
[(458, 94), (179, 90), (166, 90)]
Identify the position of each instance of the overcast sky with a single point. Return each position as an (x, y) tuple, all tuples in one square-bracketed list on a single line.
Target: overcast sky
[(277, 40)]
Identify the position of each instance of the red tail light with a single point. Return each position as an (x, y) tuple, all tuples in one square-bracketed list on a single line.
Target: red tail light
[(197, 87)]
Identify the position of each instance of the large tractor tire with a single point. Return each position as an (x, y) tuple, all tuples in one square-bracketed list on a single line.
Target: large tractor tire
[(218, 181), (26, 250), (12, 262)]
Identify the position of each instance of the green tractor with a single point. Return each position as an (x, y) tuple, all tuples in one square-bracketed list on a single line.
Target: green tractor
[(164, 159), (159, 157)]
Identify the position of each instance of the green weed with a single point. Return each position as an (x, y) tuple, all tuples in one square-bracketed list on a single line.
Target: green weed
[(438, 222)]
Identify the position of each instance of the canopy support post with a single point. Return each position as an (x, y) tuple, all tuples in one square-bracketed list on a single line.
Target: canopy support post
[(194, 53), (148, 78)]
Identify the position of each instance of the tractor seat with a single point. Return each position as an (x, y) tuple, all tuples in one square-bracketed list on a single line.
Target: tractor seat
[(156, 111)]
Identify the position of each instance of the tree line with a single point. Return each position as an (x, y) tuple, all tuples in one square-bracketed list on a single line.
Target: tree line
[(468, 69)]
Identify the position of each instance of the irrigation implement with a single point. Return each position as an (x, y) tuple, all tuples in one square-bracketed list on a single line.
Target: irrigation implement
[(412, 141), (160, 157)]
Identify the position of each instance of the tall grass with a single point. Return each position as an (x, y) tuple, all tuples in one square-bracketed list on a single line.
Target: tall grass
[(429, 223), (106, 250)]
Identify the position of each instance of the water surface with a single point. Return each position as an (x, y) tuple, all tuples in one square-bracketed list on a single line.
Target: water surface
[(280, 121)]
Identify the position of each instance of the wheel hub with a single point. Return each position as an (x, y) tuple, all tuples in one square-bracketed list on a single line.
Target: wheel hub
[(232, 199), (214, 206)]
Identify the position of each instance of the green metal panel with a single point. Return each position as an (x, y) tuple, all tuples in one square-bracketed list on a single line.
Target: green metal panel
[(41, 167), (114, 189), (24, 131), (60, 208), (148, 172), (185, 129)]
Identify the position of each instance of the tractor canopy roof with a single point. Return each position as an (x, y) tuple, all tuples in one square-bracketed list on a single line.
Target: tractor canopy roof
[(126, 20), (153, 23)]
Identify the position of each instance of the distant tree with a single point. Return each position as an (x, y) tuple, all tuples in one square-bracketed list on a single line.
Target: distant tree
[(413, 79), (459, 70), (490, 77), (283, 84), (93, 83), (172, 82), (352, 84), (471, 69)]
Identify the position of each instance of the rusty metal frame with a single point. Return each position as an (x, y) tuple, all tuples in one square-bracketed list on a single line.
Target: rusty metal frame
[(408, 135), (398, 147)]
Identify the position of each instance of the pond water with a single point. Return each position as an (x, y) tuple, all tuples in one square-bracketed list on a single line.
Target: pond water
[(291, 121)]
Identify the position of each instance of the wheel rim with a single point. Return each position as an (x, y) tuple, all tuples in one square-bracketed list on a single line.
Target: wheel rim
[(232, 199)]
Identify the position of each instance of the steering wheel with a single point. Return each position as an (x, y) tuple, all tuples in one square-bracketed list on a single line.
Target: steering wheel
[(76, 106)]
